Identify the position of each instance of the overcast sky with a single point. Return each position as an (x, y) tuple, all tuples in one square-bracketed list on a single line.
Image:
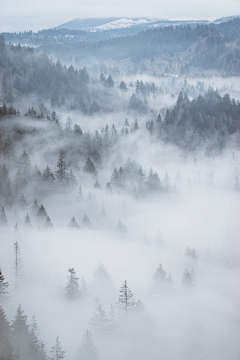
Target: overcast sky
[(20, 15)]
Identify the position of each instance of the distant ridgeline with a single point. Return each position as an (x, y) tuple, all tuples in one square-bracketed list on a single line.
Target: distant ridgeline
[(203, 47)]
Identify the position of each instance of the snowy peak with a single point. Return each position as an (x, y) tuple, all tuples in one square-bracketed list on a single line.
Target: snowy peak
[(122, 23)]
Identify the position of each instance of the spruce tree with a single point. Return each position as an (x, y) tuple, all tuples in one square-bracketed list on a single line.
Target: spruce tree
[(48, 224), (57, 352), (73, 223), (3, 217), (5, 330), (126, 303), (89, 167), (27, 222), (101, 322), (72, 291), (3, 288), (21, 334), (87, 350), (18, 264), (85, 221)]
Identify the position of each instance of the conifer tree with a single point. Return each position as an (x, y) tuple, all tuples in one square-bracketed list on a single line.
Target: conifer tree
[(22, 202), (85, 221), (87, 350), (72, 291), (18, 263), (27, 222), (97, 185), (61, 173), (101, 322), (57, 352), (3, 288), (73, 223), (3, 217), (189, 278), (35, 207), (89, 167), (80, 194), (48, 176), (121, 228), (20, 333), (41, 214), (48, 224), (7, 351), (126, 303), (5, 330)]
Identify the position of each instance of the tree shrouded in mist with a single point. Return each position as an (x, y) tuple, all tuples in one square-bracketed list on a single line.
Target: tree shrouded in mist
[(87, 350), (101, 322), (72, 291), (57, 352), (18, 264), (126, 303), (3, 288)]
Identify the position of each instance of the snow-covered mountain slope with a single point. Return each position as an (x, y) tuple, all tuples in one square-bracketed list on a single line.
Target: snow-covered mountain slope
[(122, 23)]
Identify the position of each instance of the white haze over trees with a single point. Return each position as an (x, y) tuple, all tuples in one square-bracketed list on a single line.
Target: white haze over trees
[(119, 209)]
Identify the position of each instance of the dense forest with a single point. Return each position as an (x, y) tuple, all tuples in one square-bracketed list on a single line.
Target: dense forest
[(119, 196)]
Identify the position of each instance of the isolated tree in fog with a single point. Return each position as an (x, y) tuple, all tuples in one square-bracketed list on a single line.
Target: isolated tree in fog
[(101, 322), (27, 222), (160, 280), (3, 217), (189, 278), (126, 303), (72, 291), (73, 223), (18, 263), (89, 167), (57, 352), (87, 350), (61, 173), (3, 288)]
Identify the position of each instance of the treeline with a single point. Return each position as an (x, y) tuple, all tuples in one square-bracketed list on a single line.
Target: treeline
[(191, 123), (157, 42), (24, 72)]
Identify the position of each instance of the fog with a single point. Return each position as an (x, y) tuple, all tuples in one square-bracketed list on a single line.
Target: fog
[(184, 321), (119, 207)]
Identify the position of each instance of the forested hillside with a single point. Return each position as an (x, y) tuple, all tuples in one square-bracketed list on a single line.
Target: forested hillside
[(119, 196)]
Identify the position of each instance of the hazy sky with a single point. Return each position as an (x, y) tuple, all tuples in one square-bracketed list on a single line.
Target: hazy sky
[(22, 15)]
